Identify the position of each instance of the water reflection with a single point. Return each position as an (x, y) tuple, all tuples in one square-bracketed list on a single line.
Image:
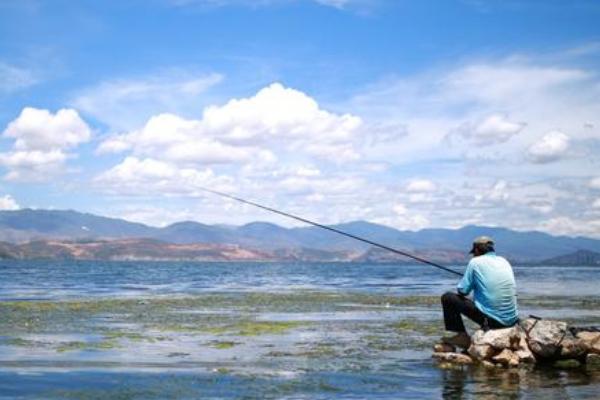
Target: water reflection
[(533, 382)]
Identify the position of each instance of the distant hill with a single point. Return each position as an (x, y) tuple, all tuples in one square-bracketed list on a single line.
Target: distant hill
[(155, 250), (580, 257), (449, 245)]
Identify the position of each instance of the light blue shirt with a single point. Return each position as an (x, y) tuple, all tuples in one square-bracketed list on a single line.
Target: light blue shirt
[(492, 281)]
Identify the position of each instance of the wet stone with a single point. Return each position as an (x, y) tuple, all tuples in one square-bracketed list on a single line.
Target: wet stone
[(444, 348), (456, 358), (507, 358), (481, 351), (572, 348), (497, 338), (545, 336), (591, 341)]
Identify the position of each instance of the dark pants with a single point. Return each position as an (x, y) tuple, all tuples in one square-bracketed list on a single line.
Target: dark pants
[(454, 305)]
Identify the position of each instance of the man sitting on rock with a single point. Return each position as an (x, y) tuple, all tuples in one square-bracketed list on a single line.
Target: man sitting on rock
[(494, 304)]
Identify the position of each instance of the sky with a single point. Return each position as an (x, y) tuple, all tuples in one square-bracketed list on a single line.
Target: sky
[(412, 114)]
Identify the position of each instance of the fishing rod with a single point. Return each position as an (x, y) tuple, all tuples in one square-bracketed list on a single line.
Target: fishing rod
[(329, 228)]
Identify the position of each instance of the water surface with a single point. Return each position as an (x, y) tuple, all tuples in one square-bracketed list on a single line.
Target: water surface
[(260, 330)]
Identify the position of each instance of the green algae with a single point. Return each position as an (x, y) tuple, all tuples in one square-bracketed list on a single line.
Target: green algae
[(224, 345), (419, 326), (557, 302), (255, 328), (567, 364), (320, 350), (132, 336), (20, 342), (79, 345)]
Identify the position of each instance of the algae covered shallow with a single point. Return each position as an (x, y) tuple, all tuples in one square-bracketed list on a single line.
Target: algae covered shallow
[(305, 331)]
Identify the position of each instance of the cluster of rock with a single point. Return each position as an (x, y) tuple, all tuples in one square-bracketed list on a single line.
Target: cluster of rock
[(530, 342)]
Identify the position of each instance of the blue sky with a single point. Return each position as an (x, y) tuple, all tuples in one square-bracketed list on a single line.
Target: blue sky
[(414, 114)]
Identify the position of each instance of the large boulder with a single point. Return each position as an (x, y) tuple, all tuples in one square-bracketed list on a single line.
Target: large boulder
[(545, 337)]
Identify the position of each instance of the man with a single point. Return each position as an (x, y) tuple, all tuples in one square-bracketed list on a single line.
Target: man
[(490, 278)]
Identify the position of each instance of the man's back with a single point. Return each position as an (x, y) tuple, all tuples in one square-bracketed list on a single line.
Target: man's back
[(492, 280)]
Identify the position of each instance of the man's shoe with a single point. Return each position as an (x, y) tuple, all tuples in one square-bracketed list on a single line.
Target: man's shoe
[(461, 339)]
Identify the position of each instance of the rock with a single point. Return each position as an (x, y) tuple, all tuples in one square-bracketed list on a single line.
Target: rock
[(488, 364), (498, 338), (592, 362), (456, 358), (545, 336), (525, 356), (567, 364), (444, 348), (591, 341), (573, 348), (481, 351), (506, 358), (513, 362)]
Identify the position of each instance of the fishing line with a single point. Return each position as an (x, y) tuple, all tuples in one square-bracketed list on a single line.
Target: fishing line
[(355, 237)]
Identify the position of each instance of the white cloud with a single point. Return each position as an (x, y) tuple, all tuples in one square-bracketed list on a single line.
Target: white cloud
[(334, 3), (41, 140), (551, 147), (400, 209), (491, 102), (281, 148), (276, 112), (33, 165), (125, 103), (7, 202), (541, 206), (564, 225), (596, 203), (38, 129), (498, 193), (411, 222), (149, 177), (594, 183), (245, 131), (421, 186), (493, 129)]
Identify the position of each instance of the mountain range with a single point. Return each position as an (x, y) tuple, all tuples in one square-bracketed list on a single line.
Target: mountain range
[(448, 245)]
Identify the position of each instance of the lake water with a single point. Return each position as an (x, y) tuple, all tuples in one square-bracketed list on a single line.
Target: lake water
[(260, 330)]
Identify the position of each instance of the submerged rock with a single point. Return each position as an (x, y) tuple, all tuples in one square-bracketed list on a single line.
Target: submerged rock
[(567, 364), (592, 362), (444, 348), (457, 358)]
